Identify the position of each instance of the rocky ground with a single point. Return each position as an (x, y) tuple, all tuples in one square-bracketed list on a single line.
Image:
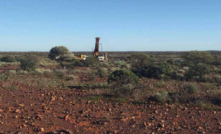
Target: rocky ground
[(51, 111)]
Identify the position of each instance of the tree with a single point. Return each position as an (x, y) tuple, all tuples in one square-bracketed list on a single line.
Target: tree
[(198, 70), (90, 61), (195, 57), (138, 60), (60, 53), (149, 71), (8, 59), (29, 63)]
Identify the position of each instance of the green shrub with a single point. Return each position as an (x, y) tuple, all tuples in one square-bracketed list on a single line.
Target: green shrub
[(60, 75), (91, 61), (124, 90), (29, 63), (86, 86), (99, 85), (195, 57), (218, 79), (71, 77), (150, 71), (12, 72), (19, 58), (198, 71), (164, 70), (191, 89), (60, 53), (42, 70), (202, 103), (167, 70), (78, 63), (8, 59), (102, 72), (123, 77), (162, 97), (138, 60), (123, 82)]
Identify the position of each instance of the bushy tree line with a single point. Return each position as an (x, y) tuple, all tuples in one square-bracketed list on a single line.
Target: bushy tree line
[(124, 82), (197, 63)]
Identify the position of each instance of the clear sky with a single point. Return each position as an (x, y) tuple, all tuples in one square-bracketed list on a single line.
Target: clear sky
[(122, 25)]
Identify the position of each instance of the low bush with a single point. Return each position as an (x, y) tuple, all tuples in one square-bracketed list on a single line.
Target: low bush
[(197, 72), (123, 77), (19, 58), (71, 77), (191, 89), (29, 63), (8, 59), (125, 66), (60, 75), (78, 63), (122, 83), (12, 72), (99, 85), (149, 71), (184, 96), (218, 79), (202, 103), (102, 72), (138, 60), (90, 61), (42, 70), (162, 97)]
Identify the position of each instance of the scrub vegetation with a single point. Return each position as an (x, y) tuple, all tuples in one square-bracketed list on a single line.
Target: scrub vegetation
[(147, 82)]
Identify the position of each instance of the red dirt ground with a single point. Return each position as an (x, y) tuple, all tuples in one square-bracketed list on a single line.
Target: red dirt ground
[(31, 110)]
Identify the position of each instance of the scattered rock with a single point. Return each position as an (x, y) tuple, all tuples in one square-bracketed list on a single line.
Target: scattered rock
[(18, 111), (66, 117), (21, 105), (42, 129)]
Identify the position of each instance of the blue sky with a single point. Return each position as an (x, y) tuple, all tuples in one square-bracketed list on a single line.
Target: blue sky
[(123, 25)]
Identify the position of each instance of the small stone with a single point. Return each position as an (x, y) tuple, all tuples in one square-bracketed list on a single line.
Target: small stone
[(42, 129), (17, 111), (53, 98), (184, 109), (38, 116), (66, 117), (10, 109), (33, 124), (21, 105), (200, 128), (161, 125)]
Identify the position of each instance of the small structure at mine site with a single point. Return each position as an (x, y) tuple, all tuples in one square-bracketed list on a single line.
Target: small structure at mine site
[(101, 57), (81, 56)]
